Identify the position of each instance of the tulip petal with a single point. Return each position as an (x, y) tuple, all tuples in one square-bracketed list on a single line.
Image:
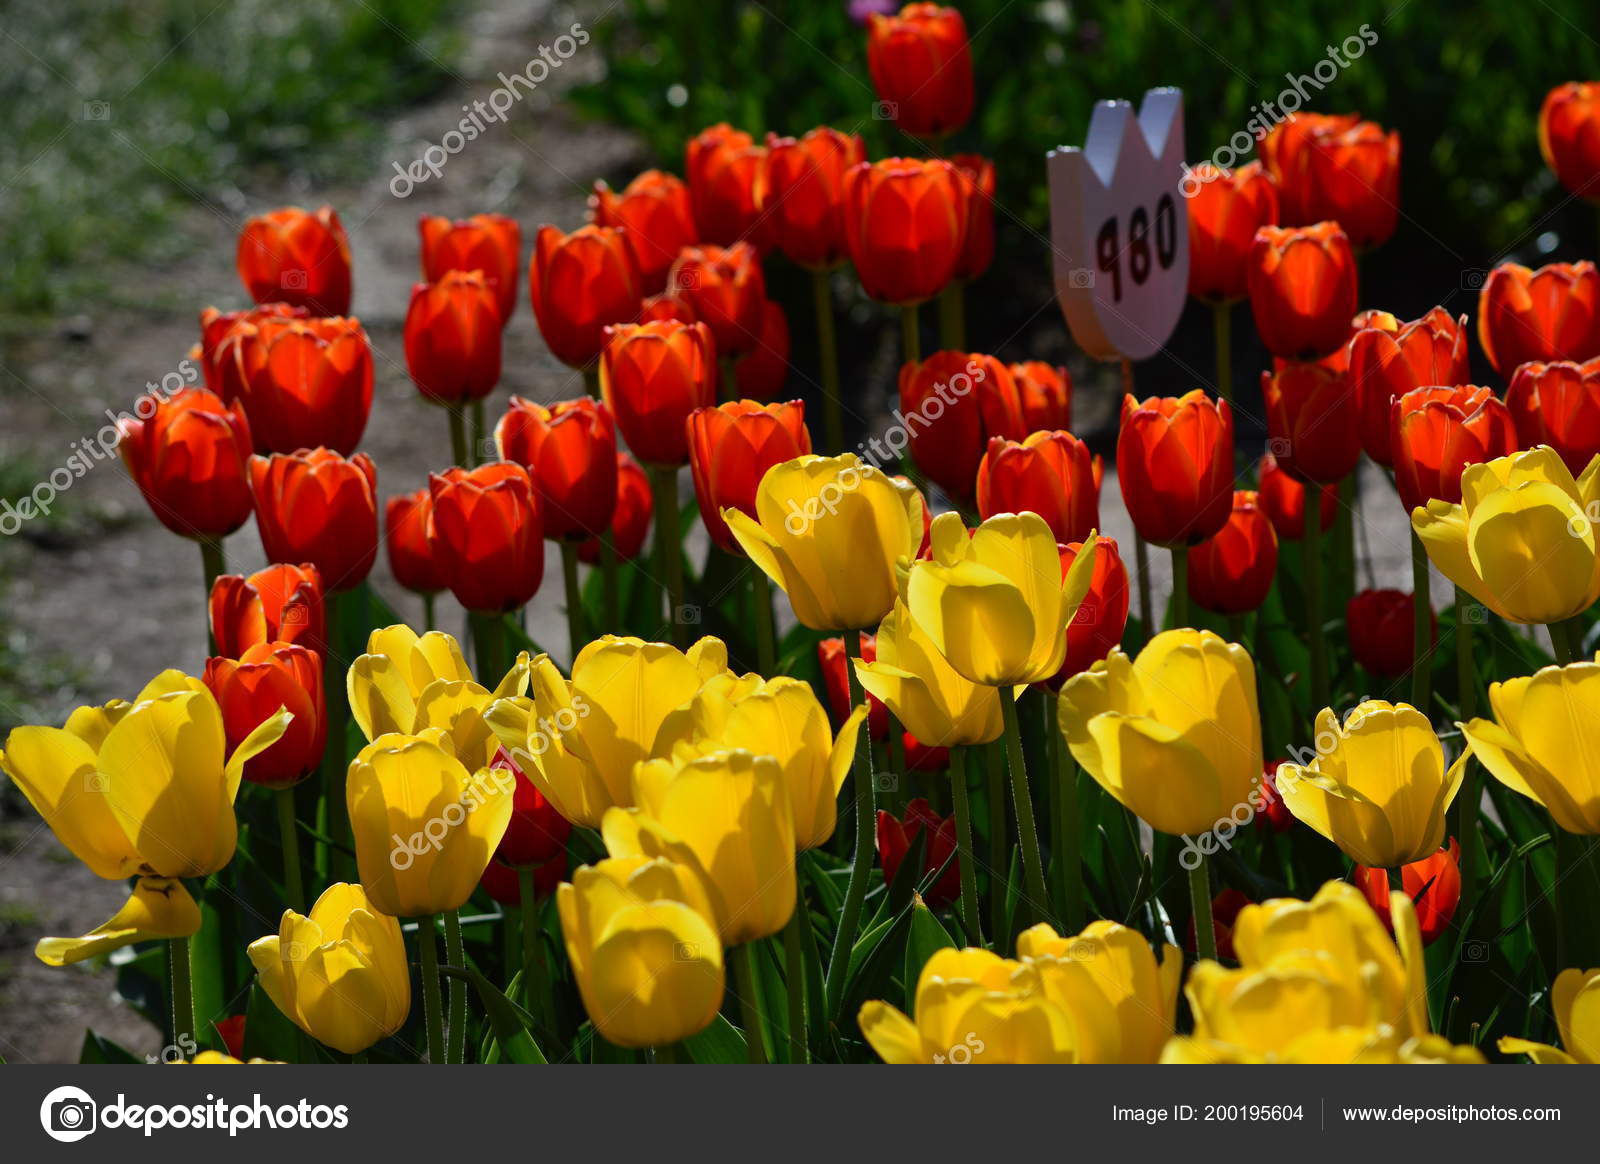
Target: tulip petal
[(1443, 530), (56, 771), (1538, 1052), (381, 698), (266, 733), (1153, 771), (159, 907), (891, 1033)]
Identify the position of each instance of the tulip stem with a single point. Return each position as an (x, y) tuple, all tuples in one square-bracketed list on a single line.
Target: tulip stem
[(179, 970), (999, 867), (1205, 933), (289, 841), (744, 974), (1032, 862), (427, 612), (456, 1050), (953, 316), (730, 378), (1465, 808), (488, 646), (766, 635), (591, 380), (569, 577), (535, 985), (1422, 625), (1311, 570), (432, 1006), (214, 565), (844, 938), (1222, 329), (458, 434), (1560, 643), (669, 560), (1180, 586), (475, 451), (1141, 552), (610, 598), (795, 966), (960, 773), (910, 334), (828, 361), (1068, 843)]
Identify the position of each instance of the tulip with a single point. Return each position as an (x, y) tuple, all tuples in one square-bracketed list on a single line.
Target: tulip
[(1378, 786), (1286, 154), (1048, 473), (537, 834), (655, 218), (290, 256), (1433, 884), (977, 252), (727, 292), (570, 452), (906, 226), (1175, 466), (1225, 211), (187, 453), (1044, 393), (652, 376), (834, 660), (224, 334), (896, 836), (805, 194), (1558, 404), (1389, 359), (921, 67), (315, 506), (581, 283), (955, 405), (1232, 572), (760, 373), (1381, 625), (1549, 314), (725, 814), (340, 975), (489, 528), (252, 689), (1174, 735), (1311, 419), (1102, 616), (142, 789), (1569, 137), (829, 531), (1283, 500), (1437, 432), (731, 447), (452, 338), (1352, 177), (643, 946), (727, 184), (1225, 908), (1273, 815), (282, 603), (304, 383), (936, 703), (1302, 289), (670, 304), (1521, 541), (408, 533), (630, 521), (490, 243), (1572, 997)]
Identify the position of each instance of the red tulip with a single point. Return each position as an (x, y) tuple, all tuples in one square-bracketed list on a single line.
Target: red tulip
[(652, 376), (1437, 432), (1380, 624), (315, 506), (1272, 814), (570, 452), (1232, 572), (251, 689), (805, 194), (304, 383), (491, 243), (951, 406), (282, 603), (1283, 500), (1352, 177), (219, 340), (921, 66), (760, 373), (656, 219), (727, 292), (1433, 884), (1225, 910), (906, 225), (1175, 466), (1302, 289), (188, 453), (1389, 359), (1311, 419), (834, 661), (1569, 136), (290, 256), (896, 836), (452, 338), (1098, 624), (537, 833), (408, 532), (668, 305), (977, 252), (1045, 394), (727, 184), (1047, 473), (630, 522), (489, 535), (731, 447), (1226, 209), (1558, 405), (1286, 154), (1549, 314), (580, 284)]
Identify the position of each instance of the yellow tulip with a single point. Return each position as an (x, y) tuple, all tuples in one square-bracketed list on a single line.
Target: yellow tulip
[(340, 975), (1174, 735), (1378, 787), (1544, 741), (994, 603), (829, 531), (644, 949), (1522, 541), (141, 789), (726, 815), (782, 718), (218, 1059), (1575, 998), (937, 704), (579, 739), (425, 827)]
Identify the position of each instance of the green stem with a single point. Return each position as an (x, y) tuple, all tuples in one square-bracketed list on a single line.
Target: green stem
[(1141, 553), (331, 807), (749, 1004), (999, 866), (669, 1053), (795, 967), (669, 551), (591, 380), (432, 1006), (569, 578), (488, 646), (1205, 934), (1032, 862), (610, 598), (214, 564), (456, 1049), (1560, 643), (1180, 586), (475, 415), (181, 973), (730, 378), (427, 612), (828, 359), (1222, 330), (1422, 619), (1311, 569), (844, 938), (535, 988), (1068, 841), (289, 841), (953, 316), (960, 770), (458, 435), (766, 635), (1465, 808), (910, 336)]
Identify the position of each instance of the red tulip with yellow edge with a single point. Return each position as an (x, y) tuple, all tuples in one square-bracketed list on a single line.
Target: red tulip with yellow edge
[(1389, 358), (1302, 289), (297, 257), (1549, 314)]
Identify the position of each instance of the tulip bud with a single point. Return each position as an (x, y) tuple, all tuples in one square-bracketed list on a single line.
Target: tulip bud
[(1175, 466), (1283, 500), (291, 256), (1558, 404), (188, 454), (1388, 359), (489, 532), (727, 184), (222, 333), (1232, 571), (305, 383), (1286, 154), (1352, 177), (250, 690), (282, 603), (906, 226), (1311, 420), (652, 377), (570, 452), (1568, 120), (1226, 210), (1302, 289), (408, 533), (668, 305), (1380, 625), (630, 521), (1048, 473), (1433, 884), (731, 447), (896, 836), (1272, 815), (490, 243), (1549, 314), (452, 338), (1044, 392), (726, 290), (580, 284), (1437, 432), (955, 405), (921, 67), (315, 506), (805, 194), (656, 220)]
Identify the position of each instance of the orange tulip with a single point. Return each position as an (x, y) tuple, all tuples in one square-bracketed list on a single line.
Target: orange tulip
[(1302, 289), (570, 452), (1433, 884), (581, 283), (1437, 432), (760, 373), (188, 453), (921, 66), (1352, 177), (630, 522), (1549, 314), (1380, 624), (491, 243), (727, 184), (726, 290), (1048, 473), (282, 603), (668, 305), (654, 214), (452, 338), (408, 532), (1283, 500), (805, 194), (906, 225), (252, 688), (1175, 466), (290, 256), (489, 535), (1558, 404), (1569, 136), (304, 383), (1103, 615), (1232, 572), (1286, 154), (731, 447), (1226, 209), (222, 333), (1045, 393), (977, 252), (1389, 359), (315, 506), (952, 405), (652, 376), (1311, 420)]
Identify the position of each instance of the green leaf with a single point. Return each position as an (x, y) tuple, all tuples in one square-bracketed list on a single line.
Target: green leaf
[(513, 1026), (99, 1049), (268, 1033), (721, 1042), (925, 938)]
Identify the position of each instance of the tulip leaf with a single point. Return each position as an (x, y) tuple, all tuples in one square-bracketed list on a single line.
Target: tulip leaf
[(513, 1026), (720, 1042), (99, 1049), (925, 938), (268, 1033)]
